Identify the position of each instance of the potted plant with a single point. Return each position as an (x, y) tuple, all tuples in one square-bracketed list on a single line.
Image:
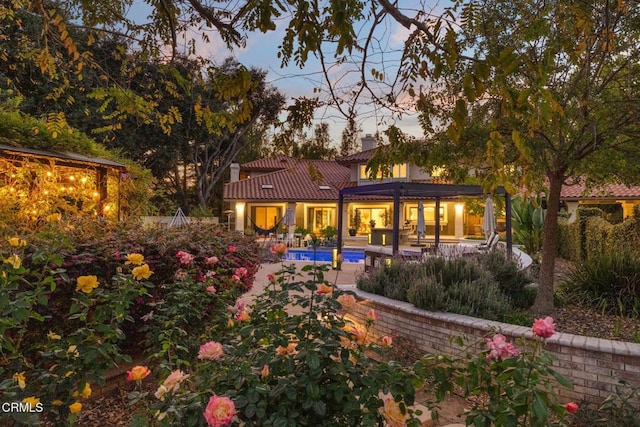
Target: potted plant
[(354, 222)]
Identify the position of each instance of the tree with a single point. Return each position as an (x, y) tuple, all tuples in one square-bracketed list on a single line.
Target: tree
[(200, 115), (559, 77), (318, 147), (349, 138), (560, 83)]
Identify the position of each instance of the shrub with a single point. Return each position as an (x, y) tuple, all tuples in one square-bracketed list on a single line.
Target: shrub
[(97, 300), (512, 384), (609, 282), (55, 364), (482, 286), (511, 279), (311, 368)]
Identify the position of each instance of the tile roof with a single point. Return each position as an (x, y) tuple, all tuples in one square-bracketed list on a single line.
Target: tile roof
[(363, 156), (268, 164), (608, 191), (293, 183)]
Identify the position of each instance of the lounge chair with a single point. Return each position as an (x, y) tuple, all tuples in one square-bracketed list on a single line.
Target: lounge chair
[(490, 244)]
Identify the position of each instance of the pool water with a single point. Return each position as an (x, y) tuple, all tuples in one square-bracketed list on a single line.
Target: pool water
[(324, 255)]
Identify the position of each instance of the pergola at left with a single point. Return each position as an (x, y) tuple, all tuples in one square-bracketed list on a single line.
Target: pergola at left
[(87, 183)]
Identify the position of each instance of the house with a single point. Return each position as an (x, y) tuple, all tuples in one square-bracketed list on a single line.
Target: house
[(616, 200), (263, 191)]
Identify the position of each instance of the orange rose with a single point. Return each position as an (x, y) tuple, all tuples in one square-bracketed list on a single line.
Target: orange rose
[(138, 373)]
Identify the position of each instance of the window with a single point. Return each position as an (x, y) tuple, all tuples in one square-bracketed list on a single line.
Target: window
[(398, 171), (322, 218), (266, 217), (429, 214), (381, 216)]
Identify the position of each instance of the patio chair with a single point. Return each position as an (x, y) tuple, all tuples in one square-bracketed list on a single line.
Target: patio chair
[(490, 244)]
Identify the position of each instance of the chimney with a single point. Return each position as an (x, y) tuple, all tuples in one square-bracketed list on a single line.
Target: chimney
[(235, 172), (368, 142)]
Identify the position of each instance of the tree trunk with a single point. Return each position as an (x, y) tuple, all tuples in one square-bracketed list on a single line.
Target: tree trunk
[(544, 298)]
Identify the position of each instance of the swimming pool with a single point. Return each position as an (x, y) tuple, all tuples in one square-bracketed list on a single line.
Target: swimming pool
[(324, 255)]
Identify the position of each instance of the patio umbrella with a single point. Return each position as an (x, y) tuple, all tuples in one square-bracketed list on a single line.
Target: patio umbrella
[(420, 227), (489, 218), (289, 217)]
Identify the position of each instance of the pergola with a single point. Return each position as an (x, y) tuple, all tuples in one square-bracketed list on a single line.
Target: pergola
[(414, 190), (72, 160)]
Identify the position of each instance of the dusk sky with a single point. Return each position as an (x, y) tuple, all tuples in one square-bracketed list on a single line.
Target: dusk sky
[(261, 51)]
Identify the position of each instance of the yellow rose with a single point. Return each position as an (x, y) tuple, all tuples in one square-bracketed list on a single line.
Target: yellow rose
[(14, 260), (14, 241), (74, 408), (73, 351), (53, 336), (20, 379), (136, 259), (86, 391), (86, 284), (142, 272), (392, 413)]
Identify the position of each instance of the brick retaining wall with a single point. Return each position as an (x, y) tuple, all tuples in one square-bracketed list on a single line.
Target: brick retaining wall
[(592, 365)]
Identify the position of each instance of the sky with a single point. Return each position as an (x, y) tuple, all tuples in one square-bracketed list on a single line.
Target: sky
[(261, 51)]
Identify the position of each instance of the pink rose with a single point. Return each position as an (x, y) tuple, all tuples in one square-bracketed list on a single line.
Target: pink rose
[(232, 248), (544, 328), (499, 348), (211, 351), (372, 316), (171, 384), (212, 260), (235, 278), (185, 257), (271, 278), (571, 407), (386, 341), (211, 289), (240, 272), (219, 411), (265, 371)]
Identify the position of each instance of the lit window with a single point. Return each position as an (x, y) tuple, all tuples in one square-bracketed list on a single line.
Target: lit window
[(397, 171)]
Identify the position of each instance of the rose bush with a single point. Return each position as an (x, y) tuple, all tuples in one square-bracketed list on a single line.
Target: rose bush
[(275, 368), (56, 365), (96, 293), (514, 382)]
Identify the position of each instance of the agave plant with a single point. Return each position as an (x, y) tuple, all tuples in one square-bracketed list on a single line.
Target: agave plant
[(528, 218)]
